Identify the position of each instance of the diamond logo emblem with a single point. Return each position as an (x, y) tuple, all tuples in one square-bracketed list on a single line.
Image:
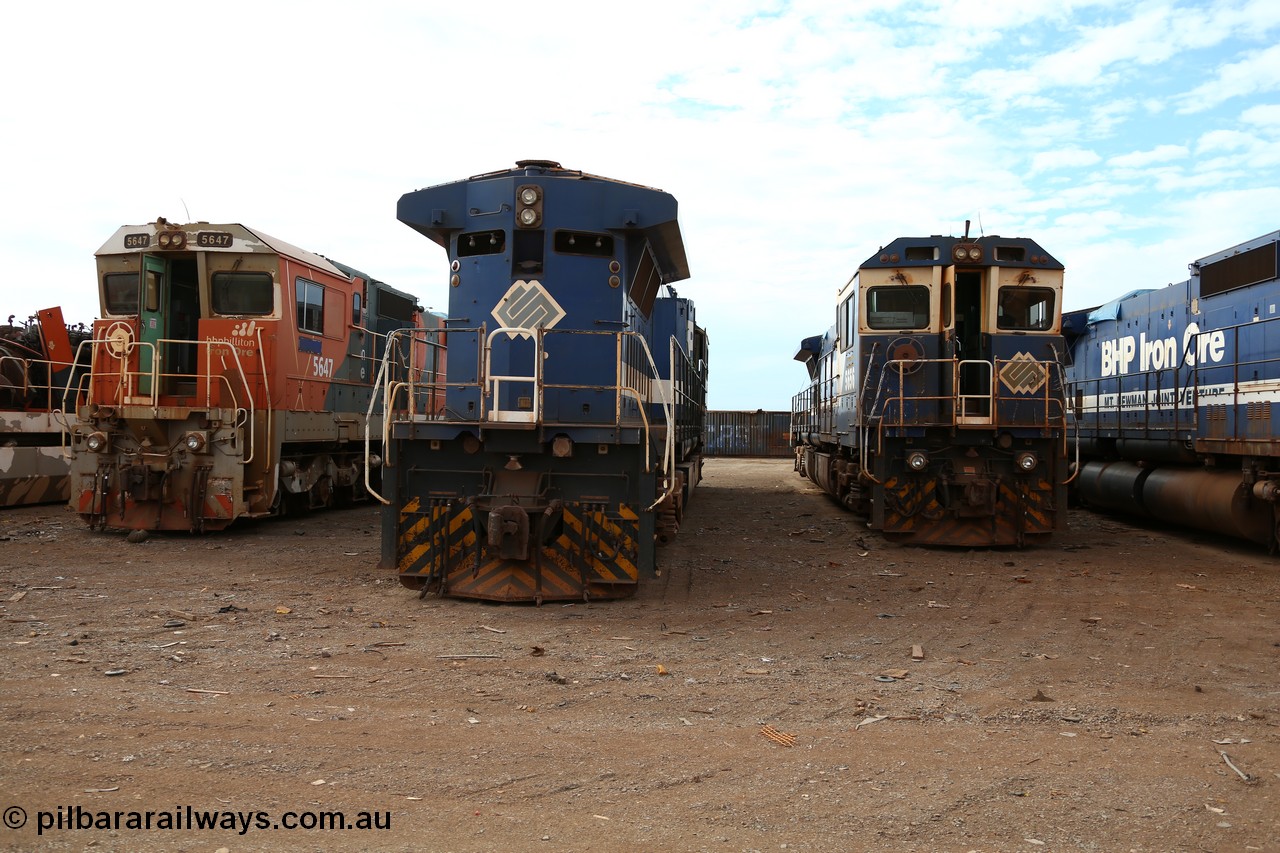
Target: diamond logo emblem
[(527, 305), (1022, 374)]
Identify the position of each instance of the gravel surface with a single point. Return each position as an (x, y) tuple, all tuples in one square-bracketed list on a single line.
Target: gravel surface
[(790, 682)]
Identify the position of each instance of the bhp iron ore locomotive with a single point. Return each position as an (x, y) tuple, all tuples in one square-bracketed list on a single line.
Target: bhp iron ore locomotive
[(230, 377), (574, 400), (1177, 394), (935, 404)]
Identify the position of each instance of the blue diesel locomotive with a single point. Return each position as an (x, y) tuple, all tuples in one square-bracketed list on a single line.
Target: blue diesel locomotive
[(1176, 393), (565, 434), (935, 404)]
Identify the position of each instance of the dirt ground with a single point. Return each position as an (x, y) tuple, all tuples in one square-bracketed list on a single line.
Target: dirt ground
[(1117, 690)]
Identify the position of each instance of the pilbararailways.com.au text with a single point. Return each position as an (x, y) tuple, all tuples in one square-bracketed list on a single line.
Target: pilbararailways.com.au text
[(74, 818)]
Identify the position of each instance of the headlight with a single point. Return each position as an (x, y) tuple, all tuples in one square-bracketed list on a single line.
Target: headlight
[(528, 216), (917, 461), (195, 441), (529, 195), (1026, 461), (97, 442)]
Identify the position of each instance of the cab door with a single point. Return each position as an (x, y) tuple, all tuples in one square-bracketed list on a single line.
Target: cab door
[(151, 320), (974, 344)]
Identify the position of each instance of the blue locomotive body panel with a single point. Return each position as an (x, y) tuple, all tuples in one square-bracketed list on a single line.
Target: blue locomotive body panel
[(1175, 394)]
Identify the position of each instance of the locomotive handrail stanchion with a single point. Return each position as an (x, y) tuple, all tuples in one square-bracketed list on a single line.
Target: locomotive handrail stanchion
[(1075, 469), (901, 367), (619, 359), (266, 392), (410, 381), (875, 414), (669, 463), (1193, 380), (482, 364), (83, 377), (126, 387), (675, 408), (539, 401), (24, 366), (382, 381), (415, 374), (250, 408), (408, 366), (494, 380)]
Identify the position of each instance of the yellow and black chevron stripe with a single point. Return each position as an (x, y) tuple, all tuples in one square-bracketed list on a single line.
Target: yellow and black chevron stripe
[(441, 548), (913, 513)]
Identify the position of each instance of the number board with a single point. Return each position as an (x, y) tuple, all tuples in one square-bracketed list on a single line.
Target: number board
[(137, 241), (213, 239)]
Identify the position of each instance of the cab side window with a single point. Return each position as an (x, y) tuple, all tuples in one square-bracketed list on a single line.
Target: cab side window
[(1026, 309), (310, 300)]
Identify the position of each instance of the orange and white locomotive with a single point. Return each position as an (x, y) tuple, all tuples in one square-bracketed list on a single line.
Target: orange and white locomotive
[(230, 377)]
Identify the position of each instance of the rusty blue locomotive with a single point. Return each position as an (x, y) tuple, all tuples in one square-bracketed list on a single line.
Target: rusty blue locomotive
[(935, 404), (561, 441), (1176, 394)]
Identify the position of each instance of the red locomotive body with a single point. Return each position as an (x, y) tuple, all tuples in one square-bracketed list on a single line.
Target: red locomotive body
[(230, 377)]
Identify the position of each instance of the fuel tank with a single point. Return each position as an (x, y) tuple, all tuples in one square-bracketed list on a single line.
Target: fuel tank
[(1206, 499)]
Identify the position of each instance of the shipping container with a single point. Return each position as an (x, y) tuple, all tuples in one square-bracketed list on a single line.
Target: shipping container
[(757, 433)]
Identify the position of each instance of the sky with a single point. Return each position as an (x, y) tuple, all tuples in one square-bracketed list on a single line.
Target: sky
[(1128, 139)]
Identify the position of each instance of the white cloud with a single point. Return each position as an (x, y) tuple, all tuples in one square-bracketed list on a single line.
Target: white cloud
[(1063, 158), (1224, 140), (1159, 154), (1257, 73), (1265, 116)]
